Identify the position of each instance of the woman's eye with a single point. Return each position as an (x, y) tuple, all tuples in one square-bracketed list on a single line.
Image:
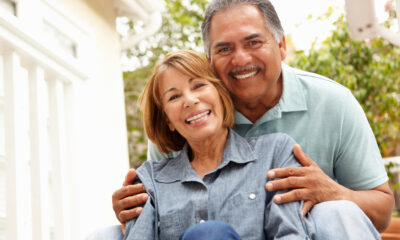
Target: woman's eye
[(173, 97), (199, 85)]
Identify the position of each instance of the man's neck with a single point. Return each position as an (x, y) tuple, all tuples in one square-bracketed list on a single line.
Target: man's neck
[(254, 109)]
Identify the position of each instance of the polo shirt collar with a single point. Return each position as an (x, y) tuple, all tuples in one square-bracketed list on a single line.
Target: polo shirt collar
[(293, 98), (179, 168)]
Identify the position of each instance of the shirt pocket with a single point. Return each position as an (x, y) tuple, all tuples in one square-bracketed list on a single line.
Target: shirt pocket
[(245, 213), (172, 225)]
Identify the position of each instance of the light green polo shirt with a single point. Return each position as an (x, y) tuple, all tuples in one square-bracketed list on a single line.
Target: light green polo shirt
[(328, 123)]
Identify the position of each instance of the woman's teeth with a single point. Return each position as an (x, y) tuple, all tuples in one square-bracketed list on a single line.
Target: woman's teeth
[(197, 117)]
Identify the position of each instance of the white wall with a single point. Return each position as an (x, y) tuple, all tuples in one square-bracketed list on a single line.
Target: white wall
[(101, 156)]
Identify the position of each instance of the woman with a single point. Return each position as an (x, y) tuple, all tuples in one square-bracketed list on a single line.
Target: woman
[(218, 175)]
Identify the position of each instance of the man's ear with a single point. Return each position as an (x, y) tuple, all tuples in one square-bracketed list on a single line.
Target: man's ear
[(282, 48)]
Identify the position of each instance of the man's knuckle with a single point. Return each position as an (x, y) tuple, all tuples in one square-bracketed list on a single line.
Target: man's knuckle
[(292, 180), (298, 194)]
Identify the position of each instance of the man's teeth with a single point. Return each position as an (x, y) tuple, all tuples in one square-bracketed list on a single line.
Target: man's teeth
[(198, 117), (243, 76)]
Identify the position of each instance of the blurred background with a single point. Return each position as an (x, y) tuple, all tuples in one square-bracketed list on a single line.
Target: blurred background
[(71, 72)]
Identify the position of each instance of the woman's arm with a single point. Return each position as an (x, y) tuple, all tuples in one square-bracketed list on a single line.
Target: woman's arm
[(142, 227)]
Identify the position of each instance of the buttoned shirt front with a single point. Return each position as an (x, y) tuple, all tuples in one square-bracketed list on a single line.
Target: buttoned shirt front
[(233, 193)]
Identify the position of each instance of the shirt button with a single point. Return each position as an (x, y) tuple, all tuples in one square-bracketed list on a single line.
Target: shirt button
[(201, 221), (252, 196)]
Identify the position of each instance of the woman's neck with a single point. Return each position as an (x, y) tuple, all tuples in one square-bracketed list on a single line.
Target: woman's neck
[(207, 154)]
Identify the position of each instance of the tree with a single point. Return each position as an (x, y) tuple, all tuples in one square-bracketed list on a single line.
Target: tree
[(180, 30)]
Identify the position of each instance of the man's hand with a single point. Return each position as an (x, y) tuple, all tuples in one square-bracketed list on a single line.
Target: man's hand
[(309, 183), (126, 199)]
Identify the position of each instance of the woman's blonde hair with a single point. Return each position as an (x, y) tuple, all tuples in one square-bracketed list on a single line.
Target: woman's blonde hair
[(154, 118)]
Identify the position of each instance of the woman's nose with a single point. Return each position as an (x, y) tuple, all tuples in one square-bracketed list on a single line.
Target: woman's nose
[(190, 100)]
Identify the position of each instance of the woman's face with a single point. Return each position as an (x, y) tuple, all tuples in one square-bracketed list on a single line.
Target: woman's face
[(192, 105)]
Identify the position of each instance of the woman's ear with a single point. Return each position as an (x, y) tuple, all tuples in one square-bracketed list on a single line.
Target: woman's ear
[(170, 125)]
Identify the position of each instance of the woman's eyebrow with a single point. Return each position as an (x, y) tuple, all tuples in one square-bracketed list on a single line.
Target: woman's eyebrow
[(169, 90)]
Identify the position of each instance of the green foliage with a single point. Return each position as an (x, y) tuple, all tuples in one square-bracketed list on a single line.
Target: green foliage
[(180, 30), (370, 69)]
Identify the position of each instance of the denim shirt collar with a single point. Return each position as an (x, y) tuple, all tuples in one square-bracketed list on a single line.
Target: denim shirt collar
[(237, 150), (293, 98)]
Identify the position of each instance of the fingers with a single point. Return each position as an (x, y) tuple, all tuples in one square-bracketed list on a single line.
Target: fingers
[(307, 205), (301, 156), (130, 177), (294, 195), (127, 191), (127, 215), (286, 183), (127, 208), (126, 198), (286, 172), (123, 228)]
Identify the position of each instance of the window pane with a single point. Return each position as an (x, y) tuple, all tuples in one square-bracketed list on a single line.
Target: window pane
[(8, 5), (59, 39), (2, 200)]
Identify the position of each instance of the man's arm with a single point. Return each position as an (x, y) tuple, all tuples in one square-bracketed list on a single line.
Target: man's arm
[(127, 199), (311, 184)]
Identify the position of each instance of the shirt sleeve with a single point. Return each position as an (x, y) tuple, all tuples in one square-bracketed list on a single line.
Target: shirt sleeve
[(144, 227), (358, 163), (284, 221)]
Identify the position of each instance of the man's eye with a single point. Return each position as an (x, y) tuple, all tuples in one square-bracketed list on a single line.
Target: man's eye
[(255, 43), (224, 50)]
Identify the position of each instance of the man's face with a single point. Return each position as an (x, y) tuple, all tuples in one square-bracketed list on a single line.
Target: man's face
[(245, 55)]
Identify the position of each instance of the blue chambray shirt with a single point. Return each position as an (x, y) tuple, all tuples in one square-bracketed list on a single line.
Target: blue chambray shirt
[(233, 193)]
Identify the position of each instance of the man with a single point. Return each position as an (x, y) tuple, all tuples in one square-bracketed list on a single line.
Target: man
[(245, 44)]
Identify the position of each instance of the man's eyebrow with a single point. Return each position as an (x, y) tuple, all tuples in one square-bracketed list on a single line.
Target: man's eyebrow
[(221, 44), (255, 35)]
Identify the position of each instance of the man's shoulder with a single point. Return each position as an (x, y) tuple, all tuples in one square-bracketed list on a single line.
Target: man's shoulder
[(318, 87), (319, 81), (312, 80)]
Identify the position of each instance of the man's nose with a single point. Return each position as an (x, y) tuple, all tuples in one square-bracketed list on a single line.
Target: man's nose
[(241, 57)]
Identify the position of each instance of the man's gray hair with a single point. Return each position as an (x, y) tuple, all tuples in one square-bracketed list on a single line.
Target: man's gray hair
[(271, 18)]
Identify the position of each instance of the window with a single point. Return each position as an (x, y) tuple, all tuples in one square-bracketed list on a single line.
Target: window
[(59, 39), (9, 6), (35, 80)]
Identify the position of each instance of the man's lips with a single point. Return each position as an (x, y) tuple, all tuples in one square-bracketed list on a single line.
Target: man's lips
[(198, 117), (245, 72)]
